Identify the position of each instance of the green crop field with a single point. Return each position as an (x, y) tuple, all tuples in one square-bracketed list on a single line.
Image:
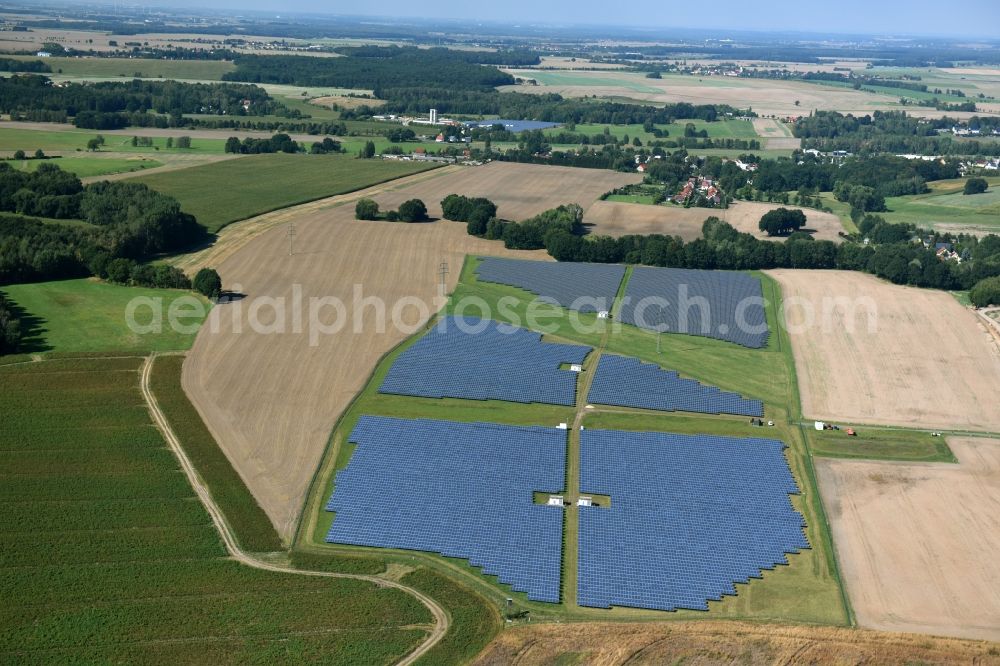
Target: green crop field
[(14, 138), (108, 557), (225, 192), (90, 316), (86, 166), (808, 590), (210, 70)]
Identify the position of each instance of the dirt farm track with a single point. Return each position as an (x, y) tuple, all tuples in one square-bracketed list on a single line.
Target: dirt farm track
[(927, 362), (918, 542), (269, 396)]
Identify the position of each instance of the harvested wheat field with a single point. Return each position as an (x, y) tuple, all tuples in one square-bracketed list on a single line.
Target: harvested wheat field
[(518, 190), (607, 644), (889, 354), (613, 218), (918, 543), (269, 396)]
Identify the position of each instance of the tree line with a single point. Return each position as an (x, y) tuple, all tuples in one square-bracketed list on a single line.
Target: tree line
[(884, 132), (889, 254), (111, 105)]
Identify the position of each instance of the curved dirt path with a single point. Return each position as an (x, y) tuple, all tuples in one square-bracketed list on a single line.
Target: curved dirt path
[(441, 620)]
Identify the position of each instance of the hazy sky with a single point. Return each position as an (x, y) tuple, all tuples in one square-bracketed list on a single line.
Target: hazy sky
[(888, 17)]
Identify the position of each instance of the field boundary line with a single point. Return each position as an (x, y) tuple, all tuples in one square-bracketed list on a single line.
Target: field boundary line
[(442, 621), (796, 418)]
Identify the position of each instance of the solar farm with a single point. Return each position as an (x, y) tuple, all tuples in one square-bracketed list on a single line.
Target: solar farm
[(581, 287), (690, 517), (628, 382), (715, 304), (566, 514), (461, 490), (479, 359)]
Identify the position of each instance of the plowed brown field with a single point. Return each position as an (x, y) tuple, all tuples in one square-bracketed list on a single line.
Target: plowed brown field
[(926, 361), (918, 543)]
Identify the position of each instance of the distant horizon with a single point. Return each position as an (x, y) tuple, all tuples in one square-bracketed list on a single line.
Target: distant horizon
[(894, 19)]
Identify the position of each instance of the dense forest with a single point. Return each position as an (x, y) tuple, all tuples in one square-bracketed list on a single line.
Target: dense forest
[(110, 105), (409, 78), (128, 222)]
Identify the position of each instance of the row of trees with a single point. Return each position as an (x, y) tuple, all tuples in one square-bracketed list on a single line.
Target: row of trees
[(890, 254), (109, 105), (10, 327)]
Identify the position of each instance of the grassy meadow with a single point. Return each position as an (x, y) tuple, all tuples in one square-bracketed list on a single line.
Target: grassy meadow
[(225, 192), (142, 68), (108, 557), (720, 129), (14, 138), (87, 166), (880, 444), (88, 315)]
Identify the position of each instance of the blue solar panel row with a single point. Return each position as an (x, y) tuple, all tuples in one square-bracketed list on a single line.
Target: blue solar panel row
[(715, 304), (690, 517), (628, 382), (459, 489), (576, 286), (480, 359)]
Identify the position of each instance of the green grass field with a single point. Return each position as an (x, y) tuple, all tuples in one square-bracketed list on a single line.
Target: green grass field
[(945, 204), (944, 208), (806, 591), (225, 192), (86, 166), (211, 70), (721, 129), (14, 138), (881, 444), (108, 556), (90, 316)]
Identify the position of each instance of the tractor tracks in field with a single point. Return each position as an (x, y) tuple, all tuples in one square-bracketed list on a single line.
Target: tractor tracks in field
[(442, 621)]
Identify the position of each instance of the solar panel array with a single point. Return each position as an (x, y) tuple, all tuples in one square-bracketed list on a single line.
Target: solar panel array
[(628, 382), (459, 489), (690, 516), (576, 286), (480, 359), (715, 304)]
